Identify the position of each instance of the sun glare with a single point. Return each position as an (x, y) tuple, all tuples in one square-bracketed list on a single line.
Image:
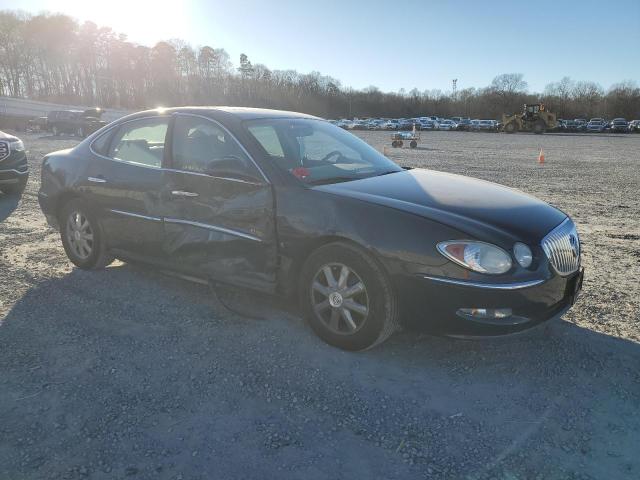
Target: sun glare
[(144, 22)]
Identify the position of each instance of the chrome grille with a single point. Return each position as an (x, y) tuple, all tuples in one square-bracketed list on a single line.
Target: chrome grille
[(4, 150), (562, 247)]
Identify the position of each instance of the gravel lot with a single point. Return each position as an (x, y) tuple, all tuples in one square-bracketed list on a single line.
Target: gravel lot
[(129, 373)]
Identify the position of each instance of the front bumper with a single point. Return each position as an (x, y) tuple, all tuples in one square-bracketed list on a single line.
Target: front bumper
[(433, 304), (14, 169)]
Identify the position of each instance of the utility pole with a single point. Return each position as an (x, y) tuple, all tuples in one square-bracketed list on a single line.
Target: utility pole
[(454, 84)]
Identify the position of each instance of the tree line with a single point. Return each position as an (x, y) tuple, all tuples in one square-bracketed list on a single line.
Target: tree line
[(53, 57)]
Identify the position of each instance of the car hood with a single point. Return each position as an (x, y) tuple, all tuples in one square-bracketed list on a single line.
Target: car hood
[(7, 137), (476, 207)]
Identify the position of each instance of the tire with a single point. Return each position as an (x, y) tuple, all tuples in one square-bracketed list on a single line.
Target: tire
[(413, 144), (324, 306), (539, 128), (394, 144), (15, 188), (510, 127), (86, 254)]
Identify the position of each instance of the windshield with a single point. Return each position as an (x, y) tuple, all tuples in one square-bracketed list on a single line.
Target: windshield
[(317, 152)]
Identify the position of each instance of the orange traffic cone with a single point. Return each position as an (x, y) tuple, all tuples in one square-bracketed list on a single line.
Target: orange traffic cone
[(541, 157)]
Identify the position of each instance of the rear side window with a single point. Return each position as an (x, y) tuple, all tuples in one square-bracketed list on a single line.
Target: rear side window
[(140, 142)]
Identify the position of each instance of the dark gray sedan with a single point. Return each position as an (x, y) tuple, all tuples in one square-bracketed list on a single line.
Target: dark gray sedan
[(289, 204)]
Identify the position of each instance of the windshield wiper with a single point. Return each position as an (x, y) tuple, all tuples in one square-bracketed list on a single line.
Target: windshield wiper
[(387, 172), (324, 181)]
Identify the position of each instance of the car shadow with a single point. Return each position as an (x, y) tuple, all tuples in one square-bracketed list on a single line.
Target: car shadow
[(8, 204), (163, 364)]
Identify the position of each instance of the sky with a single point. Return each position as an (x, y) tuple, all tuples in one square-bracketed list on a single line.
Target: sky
[(392, 45)]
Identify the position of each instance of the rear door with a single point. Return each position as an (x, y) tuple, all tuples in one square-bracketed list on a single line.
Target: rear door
[(125, 180), (218, 207)]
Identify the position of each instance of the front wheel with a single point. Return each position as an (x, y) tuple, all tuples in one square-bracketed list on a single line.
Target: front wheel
[(347, 298), (82, 237), (510, 127)]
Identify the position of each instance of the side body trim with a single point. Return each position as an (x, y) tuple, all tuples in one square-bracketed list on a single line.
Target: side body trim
[(214, 227), (489, 286)]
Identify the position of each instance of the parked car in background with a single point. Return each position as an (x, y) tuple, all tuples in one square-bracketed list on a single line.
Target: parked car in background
[(619, 125), (485, 126), (426, 124), (596, 125), (571, 126), (447, 125), (80, 123), (233, 195), (463, 124), (14, 170), (37, 124), (474, 125), (581, 124), (634, 126)]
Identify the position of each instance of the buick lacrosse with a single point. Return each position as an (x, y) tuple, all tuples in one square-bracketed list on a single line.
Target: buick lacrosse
[(289, 204)]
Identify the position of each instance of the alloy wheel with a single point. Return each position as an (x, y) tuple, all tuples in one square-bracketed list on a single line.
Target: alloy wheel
[(339, 298), (80, 235)]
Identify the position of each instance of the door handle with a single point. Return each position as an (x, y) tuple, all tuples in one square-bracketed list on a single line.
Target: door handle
[(181, 193), (96, 179)]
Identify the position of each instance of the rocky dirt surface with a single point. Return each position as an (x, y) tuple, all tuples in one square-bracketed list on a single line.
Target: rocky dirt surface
[(128, 373)]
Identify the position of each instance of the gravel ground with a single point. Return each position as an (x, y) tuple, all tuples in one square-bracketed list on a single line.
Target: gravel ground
[(129, 373)]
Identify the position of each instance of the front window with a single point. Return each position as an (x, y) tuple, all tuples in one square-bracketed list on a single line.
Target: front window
[(317, 152), (202, 146)]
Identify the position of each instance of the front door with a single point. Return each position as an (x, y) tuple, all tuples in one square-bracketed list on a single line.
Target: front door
[(218, 207)]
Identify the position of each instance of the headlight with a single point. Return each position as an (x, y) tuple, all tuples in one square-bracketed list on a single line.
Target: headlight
[(16, 146), (523, 254), (477, 256)]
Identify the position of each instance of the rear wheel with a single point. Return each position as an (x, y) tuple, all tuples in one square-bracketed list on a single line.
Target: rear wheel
[(539, 127), (394, 144), (347, 298), (82, 237), (413, 144)]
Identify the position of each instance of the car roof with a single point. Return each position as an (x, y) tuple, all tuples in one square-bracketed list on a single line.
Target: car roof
[(241, 113)]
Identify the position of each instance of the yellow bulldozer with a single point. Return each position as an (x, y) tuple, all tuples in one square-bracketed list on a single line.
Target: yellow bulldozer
[(534, 118)]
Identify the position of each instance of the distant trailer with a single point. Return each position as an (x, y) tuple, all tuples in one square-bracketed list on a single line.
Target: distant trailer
[(398, 138)]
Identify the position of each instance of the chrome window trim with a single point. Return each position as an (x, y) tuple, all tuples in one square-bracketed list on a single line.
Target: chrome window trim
[(213, 227), (490, 286), (226, 130), (174, 170), (135, 215), (186, 172)]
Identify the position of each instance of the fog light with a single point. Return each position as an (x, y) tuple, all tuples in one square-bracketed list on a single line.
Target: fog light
[(486, 312)]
